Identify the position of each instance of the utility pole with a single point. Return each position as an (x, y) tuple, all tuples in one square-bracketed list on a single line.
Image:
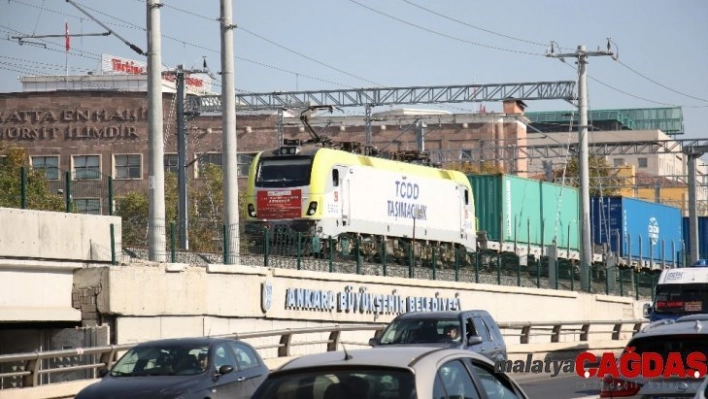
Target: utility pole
[(182, 183), (156, 173), (229, 162), (693, 153), (586, 252)]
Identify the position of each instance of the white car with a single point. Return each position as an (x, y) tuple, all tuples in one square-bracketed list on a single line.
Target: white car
[(685, 335)]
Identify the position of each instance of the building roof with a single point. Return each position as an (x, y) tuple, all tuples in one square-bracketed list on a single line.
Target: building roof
[(668, 120)]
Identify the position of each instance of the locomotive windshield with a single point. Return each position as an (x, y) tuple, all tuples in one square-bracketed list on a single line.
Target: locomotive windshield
[(284, 172)]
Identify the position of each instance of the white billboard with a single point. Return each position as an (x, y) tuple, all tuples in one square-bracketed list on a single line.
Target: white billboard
[(197, 83)]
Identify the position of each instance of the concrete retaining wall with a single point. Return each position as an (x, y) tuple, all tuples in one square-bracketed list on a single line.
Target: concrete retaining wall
[(153, 301), (57, 236)]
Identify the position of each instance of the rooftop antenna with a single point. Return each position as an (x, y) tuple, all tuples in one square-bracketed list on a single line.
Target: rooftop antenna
[(347, 356)]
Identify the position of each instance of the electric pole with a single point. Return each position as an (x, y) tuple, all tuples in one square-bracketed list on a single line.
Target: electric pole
[(229, 162), (182, 183), (586, 252), (693, 153), (156, 173)]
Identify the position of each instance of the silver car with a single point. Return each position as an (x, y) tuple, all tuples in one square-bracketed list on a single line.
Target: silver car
[(408, 372), (688, 334)]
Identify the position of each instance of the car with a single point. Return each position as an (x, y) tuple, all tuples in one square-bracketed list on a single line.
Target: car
[(410, 372), (182, 368), (687, 334), (476, 331)]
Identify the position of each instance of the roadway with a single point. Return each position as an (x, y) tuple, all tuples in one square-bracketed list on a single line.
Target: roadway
[(563, 386)]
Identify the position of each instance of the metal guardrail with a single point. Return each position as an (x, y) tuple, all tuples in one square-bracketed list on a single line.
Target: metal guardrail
[(556, 329), (32, 370)]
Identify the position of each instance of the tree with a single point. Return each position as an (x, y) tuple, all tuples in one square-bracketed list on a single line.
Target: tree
[(39, 196), (603, 180), (474, 168), (205, 211)]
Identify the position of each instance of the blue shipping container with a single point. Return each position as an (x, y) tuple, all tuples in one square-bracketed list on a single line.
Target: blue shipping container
[(702, 236), (642, 229)]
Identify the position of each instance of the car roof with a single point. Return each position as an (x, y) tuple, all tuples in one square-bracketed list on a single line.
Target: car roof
[(191, 341), (692, 324), (395, 356), (443, 314)]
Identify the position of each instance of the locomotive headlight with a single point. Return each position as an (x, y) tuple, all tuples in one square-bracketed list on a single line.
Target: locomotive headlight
[(312, 208), (251, 210)]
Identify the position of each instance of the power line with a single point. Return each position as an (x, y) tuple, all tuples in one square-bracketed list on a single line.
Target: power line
[(474, 26), (659, 84), (445, 35)]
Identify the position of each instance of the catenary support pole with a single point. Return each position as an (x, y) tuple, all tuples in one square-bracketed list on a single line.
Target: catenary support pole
[(156, 174), (228, 98), (586, 252), (182, 210)]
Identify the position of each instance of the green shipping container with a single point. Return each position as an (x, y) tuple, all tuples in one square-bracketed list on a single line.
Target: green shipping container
[(526, 211)]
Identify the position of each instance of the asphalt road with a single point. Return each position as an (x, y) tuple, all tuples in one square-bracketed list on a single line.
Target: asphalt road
[(564, 386)]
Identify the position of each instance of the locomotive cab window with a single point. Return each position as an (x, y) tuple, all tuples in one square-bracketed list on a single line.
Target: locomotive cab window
[(284, 172), (335, 177), (467, 197)]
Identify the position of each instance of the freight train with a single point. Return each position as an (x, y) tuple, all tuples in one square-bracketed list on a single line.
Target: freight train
[(339, 198), (336, 198)]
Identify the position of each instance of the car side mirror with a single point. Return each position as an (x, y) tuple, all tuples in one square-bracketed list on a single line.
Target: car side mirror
[(225, 369), (474, 340), (373, 341), (102, 372), (647, 310)]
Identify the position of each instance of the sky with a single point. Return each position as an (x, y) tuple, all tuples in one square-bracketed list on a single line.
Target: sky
[(340, 44)]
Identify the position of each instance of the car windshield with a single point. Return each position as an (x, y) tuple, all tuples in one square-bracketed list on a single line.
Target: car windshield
[(681, 298), (663, 345), (415, 331), (162, 360), (284, 172), (360, 383)]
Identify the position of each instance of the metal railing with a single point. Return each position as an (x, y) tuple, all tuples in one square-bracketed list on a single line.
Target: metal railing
[(28, 366), (581, 329)]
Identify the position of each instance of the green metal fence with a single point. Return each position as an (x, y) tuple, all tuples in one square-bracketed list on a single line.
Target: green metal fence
[(287, 248), (54, 189)]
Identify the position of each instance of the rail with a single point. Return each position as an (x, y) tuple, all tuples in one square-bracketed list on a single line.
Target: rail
[(28, 366)]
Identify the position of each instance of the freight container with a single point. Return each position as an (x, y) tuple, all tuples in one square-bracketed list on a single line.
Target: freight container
[(702, 236), (640, 229), (526, 211)]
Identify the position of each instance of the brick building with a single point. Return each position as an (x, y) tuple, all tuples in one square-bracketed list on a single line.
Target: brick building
[(97, 133)]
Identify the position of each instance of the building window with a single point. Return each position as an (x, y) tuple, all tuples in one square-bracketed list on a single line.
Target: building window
[(465, 155), (244, 163), (209, 158), (87, 167), (642, 162), (91, 206), (619, 161), (171, 163), (49, 166), (128, 166)]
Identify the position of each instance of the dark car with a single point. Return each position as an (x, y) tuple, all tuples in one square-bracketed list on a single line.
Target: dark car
[(473, 330), (182, 368), (409, 372)]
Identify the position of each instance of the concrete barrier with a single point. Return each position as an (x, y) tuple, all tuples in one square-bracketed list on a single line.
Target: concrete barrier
[(28, 234)]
